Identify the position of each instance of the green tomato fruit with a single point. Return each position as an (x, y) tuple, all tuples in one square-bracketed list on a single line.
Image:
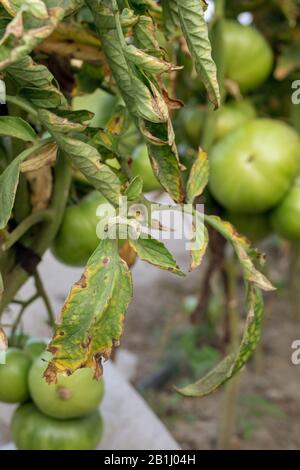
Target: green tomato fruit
[(71, 397), (248, 56), (14, 377), (192, 119), (285, 218), (255, 227), (77, 238), (34, 347), (233, 115), (32, 430), (141, 166), (252, 167)]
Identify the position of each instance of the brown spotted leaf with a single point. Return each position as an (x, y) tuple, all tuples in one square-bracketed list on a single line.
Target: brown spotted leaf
[(91, 320)]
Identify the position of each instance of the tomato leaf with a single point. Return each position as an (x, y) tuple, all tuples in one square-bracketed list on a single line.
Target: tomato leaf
[(13, 126), (255, 282), (134, 189), (84, 156), (200, 240), (9, 180), (154, 252), (198, 177), (194, 28), (91, 320), (232, 363)]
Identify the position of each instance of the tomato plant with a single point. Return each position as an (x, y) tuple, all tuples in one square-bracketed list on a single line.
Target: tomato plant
[(99, 110)]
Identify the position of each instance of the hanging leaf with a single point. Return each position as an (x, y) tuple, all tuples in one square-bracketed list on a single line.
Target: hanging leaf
[(254, 281), (200, 240), (195, 31), (9, 181), (12, 126), (232, 363), (154, 252), (135, 189), (198, 178), (91, 320)]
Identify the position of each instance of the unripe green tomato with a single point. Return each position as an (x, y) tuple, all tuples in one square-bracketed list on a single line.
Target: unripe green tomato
[(77, 238), (34, 347), (192, 120), (14, 377), (233, 115), (101, 103), (32, 430), (285, 218), (252, 168), (141, 166), (248, 56), (255, 227), (71, 397)]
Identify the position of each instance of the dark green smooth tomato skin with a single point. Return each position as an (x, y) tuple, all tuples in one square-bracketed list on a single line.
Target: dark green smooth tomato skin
[(32, 430), (252, 167), (248, 56), (14, 377), (233, 115), (71, 397), (77, 239), (255, 227), (285, 218), (141, 166)]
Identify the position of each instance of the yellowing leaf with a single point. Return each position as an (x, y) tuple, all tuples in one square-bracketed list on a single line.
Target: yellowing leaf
[(91, 320)]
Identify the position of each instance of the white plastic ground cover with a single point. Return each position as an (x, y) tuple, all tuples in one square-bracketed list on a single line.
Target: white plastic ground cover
[(129, 424)]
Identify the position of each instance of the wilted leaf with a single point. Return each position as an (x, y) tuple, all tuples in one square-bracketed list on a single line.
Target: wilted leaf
[(12, 126), (91, 320), (195, 31), (200, 241), (40, 187), (198, 177), (288, 62), (44, 157), (154, 252), (9, 181), (3, 337)]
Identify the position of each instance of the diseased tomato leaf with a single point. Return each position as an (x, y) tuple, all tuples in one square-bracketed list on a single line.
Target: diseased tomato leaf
[(255, 282), (13, 126), (91, 320), (198, 177), (154, 252)]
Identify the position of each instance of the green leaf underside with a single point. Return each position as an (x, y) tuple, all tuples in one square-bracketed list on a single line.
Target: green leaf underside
[(154, 252), (195, 31), (91, 320), (255, 282)]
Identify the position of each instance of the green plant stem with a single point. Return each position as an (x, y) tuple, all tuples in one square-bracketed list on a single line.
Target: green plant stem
[(43, 294), (33, 219), (17, 277), (228, 413)]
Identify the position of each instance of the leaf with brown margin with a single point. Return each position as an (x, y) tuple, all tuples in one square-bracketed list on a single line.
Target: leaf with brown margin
[(91, 320), (200, 240), (45, 157)]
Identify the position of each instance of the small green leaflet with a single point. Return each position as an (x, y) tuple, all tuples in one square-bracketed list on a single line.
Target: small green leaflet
[(154, 252), (195, 31), (13, 126), (1, 286), (9, 181), (255, 282), (91, 320), (134, 189), (198, 178)]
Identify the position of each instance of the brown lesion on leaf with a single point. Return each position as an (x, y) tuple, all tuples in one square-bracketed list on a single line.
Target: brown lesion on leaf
[(86, 344), (106, 261), (50, 374), (82, 282), (98, 369)]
